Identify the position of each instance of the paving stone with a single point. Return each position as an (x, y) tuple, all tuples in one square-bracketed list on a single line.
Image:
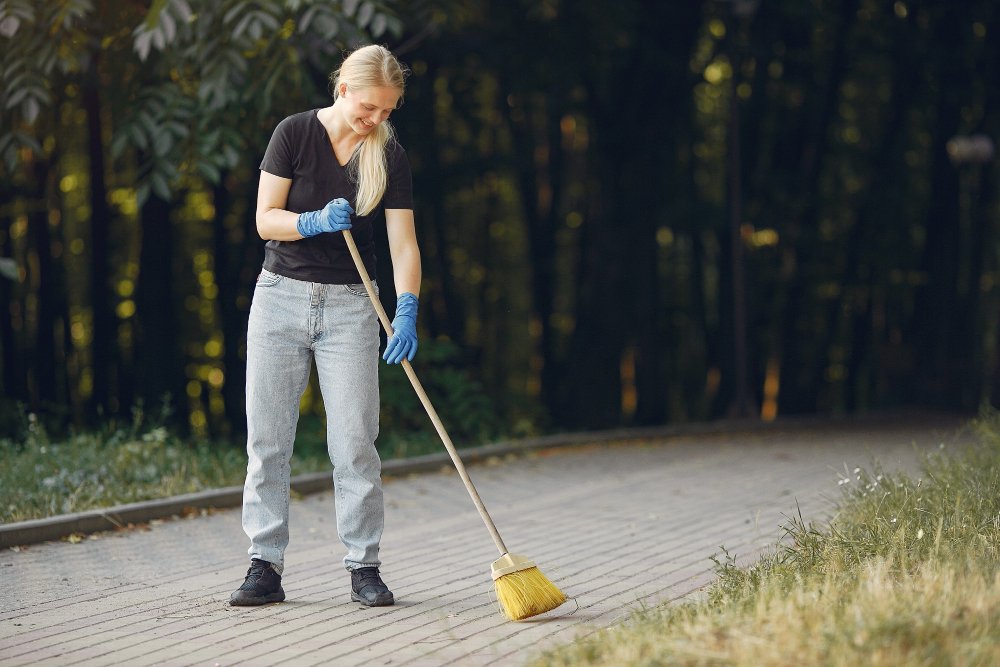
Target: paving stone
[(623, 525)]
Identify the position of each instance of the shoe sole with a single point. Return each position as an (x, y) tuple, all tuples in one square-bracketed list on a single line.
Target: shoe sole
[(278, 596), (356, 598)]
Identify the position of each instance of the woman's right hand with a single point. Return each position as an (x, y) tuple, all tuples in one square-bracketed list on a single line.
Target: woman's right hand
[(335, 217)]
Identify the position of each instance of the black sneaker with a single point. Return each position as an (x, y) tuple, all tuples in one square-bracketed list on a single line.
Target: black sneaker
[(368, 589), (262, 586)]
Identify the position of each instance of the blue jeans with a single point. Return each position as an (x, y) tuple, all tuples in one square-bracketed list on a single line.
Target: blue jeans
[(292, 322)]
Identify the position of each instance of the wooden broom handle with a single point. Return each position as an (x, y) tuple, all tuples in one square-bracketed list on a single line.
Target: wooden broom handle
[(417, 387)]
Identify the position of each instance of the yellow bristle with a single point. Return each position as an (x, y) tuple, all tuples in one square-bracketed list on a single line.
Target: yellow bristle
[(527, 593)]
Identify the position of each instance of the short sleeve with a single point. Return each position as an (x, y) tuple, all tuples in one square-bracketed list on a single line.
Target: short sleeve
[(278, 158), (399, 188)]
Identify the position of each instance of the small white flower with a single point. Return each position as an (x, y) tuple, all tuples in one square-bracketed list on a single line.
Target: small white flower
[(857, 470), (893, 521), (920, 533)]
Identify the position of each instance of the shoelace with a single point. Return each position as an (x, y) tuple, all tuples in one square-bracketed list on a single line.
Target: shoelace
[(254, 574), (372, 578)]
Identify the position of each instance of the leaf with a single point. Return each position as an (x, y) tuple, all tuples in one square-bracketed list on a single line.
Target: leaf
[(26, 139), (307, 18), (365, 14), (158, 40), (160, 185), (9, 26), (169, 169), (241, 26), (231, 156), (379, 25), (142, 44), (152, 19), (118, 145), (210, 171), (183, 9), (350, 6), (138, 137), (162, 143), (395, 27), (31, 109), (328, 26), (237, 9), (255, 30), (142, 195), (169, 26), (8, 268), (10, 158), (16, 98)]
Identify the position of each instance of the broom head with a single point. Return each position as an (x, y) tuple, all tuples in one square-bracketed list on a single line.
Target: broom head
[(522, 590)]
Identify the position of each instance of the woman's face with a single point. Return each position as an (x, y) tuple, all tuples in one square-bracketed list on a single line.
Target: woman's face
[(365, 108)]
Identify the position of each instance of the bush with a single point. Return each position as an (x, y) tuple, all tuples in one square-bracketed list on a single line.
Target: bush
[(465, 410), (42, 476)]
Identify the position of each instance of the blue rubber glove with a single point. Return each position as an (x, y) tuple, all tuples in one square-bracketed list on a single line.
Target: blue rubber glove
[(335, 217), (403, 343)]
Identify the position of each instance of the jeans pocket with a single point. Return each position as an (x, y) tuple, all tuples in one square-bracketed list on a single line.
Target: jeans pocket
[(267, 279), (359, 289)]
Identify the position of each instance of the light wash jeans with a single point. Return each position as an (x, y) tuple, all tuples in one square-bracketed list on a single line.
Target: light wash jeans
[(292, 321)]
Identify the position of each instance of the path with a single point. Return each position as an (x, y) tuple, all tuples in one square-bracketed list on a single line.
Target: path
[(627, 524)]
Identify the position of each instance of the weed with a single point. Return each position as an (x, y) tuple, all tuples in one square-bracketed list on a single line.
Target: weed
[(907, 572)]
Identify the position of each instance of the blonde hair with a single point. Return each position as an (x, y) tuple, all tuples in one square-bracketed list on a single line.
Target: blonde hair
[(371, 67)]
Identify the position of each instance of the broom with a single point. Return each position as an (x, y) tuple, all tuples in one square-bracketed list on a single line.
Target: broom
[(521, 588)]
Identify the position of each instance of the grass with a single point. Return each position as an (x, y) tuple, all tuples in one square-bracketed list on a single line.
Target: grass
[(40, 477), (907, 572)]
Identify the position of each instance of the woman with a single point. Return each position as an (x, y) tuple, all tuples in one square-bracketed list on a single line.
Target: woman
[(321, 167)]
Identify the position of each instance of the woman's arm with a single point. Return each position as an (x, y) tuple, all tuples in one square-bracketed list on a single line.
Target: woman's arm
[(404, 250), (274, 223)]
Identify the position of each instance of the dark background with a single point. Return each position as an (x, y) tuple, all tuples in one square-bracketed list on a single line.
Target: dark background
[(575, 203)]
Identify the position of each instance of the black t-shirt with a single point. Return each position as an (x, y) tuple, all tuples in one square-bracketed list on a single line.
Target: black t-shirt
[(300, 149)]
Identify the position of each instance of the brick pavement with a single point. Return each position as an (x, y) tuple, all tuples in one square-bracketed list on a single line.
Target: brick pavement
[(626, 524)]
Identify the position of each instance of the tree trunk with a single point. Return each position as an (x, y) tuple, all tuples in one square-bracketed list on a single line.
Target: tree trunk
[(13, 359), (43, 357), (104, 321), (233, 324), (160, 376), (799, 395)]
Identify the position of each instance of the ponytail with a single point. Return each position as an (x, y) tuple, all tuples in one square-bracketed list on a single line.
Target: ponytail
[(371, 67)]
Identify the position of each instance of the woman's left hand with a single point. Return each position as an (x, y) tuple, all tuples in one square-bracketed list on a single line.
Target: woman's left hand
[(403, 344)]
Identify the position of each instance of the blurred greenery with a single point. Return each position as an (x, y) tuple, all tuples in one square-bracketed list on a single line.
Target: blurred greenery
[(573, 179), (41, 475)]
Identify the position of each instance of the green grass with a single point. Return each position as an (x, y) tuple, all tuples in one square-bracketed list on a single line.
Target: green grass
[(907, 572), (42, 476)]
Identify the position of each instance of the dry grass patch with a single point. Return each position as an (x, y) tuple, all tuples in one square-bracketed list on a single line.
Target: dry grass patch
[(906, 573)]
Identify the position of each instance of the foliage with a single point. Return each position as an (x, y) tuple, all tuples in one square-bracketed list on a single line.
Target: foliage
[(577, 248), (40, 40), (906, 573), (41, 476), (466, 411), (221, 57)]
